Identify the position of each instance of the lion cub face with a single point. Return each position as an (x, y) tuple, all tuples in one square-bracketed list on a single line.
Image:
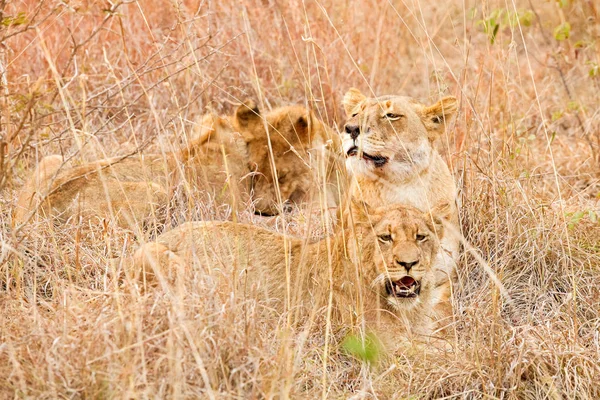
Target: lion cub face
[(406, 242), (391, 135), (295, 135)]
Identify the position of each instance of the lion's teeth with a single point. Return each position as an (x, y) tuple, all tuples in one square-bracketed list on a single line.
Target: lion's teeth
[(402, 290)]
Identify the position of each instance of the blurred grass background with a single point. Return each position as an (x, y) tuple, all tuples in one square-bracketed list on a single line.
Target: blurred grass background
[(91, 79)]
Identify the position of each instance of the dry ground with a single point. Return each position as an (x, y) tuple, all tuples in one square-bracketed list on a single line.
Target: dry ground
[(93, 78)]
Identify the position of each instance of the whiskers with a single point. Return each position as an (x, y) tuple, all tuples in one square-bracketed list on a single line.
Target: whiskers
[(387, 275)]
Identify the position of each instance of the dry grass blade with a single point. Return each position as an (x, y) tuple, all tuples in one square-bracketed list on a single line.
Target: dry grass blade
[(90, 80)]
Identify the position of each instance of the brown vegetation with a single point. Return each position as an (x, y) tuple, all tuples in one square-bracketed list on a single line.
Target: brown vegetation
[(91, 80)]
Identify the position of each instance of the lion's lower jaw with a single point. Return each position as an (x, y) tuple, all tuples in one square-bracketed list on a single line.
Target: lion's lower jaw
[(407, 304), (360, 167), (418, 306), (392, 173)]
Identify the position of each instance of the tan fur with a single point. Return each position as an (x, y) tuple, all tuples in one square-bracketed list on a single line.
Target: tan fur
[(131, 189), (44, 173), (305, 155), (253, 260), (225, 163), (396, 161)]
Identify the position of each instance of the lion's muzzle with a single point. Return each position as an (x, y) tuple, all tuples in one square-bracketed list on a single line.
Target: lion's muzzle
[(377, 160), (406, 287)]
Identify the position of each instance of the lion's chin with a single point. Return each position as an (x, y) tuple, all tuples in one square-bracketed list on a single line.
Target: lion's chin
[(403, 303), (404, 293), (362, 167)]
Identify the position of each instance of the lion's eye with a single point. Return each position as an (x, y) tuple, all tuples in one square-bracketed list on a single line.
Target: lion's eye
[(422, 238), (385, 238), (393, 116), (354, 115), (282, 175)]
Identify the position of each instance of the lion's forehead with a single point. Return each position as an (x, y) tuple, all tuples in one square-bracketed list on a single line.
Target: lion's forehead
[(387, 102), (286, 114), (405, 100), (405, 226), (371, 110)]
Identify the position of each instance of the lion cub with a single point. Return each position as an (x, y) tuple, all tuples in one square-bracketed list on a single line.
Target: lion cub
[(304, 166), (381, 268), (225, 163), (389, 147)]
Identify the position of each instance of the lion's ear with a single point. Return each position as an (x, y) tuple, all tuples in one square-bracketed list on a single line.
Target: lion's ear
[(246, 112), (437, 216), (211, 128), (352, 98), (306, 127), (207, 128), (362, 213), (435, 116), (302, 127)]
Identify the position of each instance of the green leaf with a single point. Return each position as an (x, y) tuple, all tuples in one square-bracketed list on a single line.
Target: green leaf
[(493, 38), (573, 106), (576, 217), (19, 19), (491, 25), (563, 31), (552, 137), (366, 349), (526, 18), (473, 13), (556, 115), (594, 70)]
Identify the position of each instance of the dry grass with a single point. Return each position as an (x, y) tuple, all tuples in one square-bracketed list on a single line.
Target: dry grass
[(88, 79)]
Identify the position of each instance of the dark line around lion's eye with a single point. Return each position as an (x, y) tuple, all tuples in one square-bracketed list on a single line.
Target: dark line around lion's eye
[(386, 238)]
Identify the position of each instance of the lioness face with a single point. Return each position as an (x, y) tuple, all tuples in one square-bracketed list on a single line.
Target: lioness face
[(391, 135), (292, 132), (406, 243)]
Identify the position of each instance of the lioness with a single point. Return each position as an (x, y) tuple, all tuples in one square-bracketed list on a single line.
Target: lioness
[(388, 143), (380, 269), (221, 163), (133, 188)]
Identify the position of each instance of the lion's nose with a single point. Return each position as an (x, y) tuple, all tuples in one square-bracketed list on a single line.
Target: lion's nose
[(288, 207), (407, 265), (353, 131)]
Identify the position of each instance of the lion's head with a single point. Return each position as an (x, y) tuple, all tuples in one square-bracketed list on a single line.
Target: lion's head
[(399, 245), (288, 139), (391, 135)]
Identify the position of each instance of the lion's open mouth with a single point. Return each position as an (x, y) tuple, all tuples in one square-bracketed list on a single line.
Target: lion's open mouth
[(407, 287), (377, 160)]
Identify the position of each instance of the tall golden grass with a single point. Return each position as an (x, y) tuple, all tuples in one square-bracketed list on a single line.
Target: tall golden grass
[(89, 79)]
